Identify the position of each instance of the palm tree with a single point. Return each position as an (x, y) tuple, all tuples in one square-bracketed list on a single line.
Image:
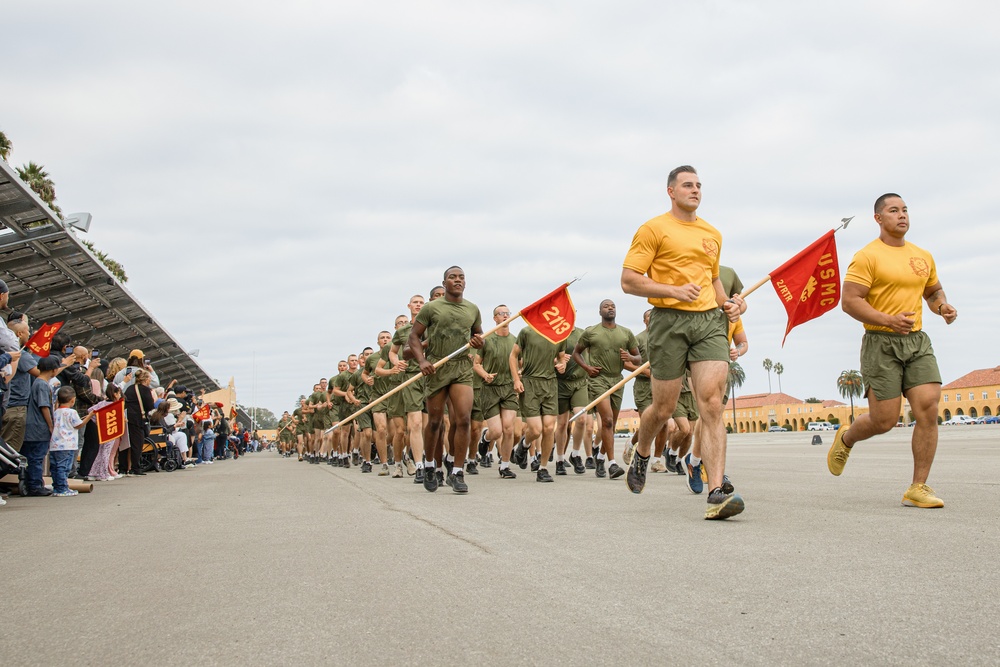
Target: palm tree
[(778, 370), (5, 147), (734, 382), (851, 384), (768, 365), (38, 180)]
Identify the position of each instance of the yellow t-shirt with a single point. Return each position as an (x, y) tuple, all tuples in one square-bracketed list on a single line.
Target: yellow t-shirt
[(735, 328), (673, 252), (896, 278)]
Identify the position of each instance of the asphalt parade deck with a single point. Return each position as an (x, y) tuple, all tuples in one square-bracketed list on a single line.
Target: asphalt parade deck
[(266, 560)]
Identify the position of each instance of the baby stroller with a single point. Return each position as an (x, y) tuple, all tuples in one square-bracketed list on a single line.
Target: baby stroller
[(12, 463)]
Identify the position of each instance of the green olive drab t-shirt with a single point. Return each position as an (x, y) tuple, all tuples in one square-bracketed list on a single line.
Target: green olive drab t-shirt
[(449, 326), (495, 357), (605, 345), (538, 355)]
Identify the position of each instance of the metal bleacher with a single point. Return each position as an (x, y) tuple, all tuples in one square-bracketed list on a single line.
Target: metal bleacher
[(53, 277)]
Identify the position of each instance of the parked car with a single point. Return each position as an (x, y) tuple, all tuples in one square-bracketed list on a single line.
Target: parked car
[(777, 429), (959, 420), (820, 426), (991, 419)]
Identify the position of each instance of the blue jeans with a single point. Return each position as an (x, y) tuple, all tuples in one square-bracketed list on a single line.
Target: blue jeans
[(59, 465), (207, 448), (34, 451)]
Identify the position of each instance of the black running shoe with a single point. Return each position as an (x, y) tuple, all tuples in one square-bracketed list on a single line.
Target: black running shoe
[(535, 463), (636, 479), (520, 455), (507, 473), (615, 471), (484, 444), (457, 482), (471, 468), (347, 461), (366, 467), (543, 476), (355, 458), (723, 505), (599, 469), (430, 480), (560, 467), (484, 462), (577, 462), (671, 463), (448, 465), (440, 476), (727, 486), (419, 477), (590, 463)]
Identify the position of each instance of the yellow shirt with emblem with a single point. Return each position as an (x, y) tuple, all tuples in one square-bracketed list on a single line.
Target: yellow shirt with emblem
[(674, 252), (896, 277)]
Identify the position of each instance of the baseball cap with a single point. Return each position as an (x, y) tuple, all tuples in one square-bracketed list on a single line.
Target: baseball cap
[(137, 353), (48, 364), (3, 287)]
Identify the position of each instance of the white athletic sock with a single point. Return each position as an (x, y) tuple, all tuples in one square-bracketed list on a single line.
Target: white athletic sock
[(673, 453), (429, 464), (601, 457), (504, 465), (695, 461), (420, 464), (612, 462)]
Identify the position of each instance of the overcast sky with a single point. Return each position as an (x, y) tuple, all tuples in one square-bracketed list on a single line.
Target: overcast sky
[(279, 178)]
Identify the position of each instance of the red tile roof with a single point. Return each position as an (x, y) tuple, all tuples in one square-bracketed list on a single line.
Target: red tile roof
[(982, 378)]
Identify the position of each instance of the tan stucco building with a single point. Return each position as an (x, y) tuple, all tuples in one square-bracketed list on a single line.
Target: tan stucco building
[(976, 394)]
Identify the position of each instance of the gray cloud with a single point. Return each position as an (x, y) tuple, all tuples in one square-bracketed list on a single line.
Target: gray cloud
[(309, 167)]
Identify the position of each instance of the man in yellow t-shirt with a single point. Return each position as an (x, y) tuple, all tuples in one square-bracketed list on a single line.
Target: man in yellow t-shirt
[(674, 262), (883, 289)]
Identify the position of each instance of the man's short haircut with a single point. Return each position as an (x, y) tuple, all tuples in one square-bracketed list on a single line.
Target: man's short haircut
[(683, 169), (367, 349), (435, 289), (384, 332), (502, 305), (65, 394), (450, 268), (880, 202), (416, 296), (15, 316)]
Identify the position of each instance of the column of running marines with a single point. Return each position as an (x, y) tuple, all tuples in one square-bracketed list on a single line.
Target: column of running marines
[(509, 399)]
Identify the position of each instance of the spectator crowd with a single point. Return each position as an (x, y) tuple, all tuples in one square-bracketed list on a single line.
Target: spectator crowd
[(48, 404)]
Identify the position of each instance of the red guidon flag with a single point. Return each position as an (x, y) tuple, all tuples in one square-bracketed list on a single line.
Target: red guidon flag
[(110, 421), (203, 413), (40, 344), (809, 283), (553, 316), (232, 412)]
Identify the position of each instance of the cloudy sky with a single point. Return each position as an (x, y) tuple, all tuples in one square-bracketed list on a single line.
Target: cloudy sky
[(279, 178)]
